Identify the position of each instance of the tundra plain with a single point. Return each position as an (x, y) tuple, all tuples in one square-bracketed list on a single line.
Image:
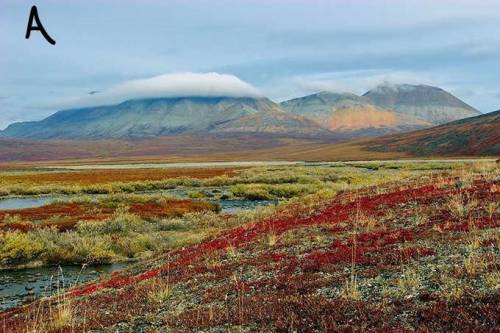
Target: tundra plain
[(345, 246)]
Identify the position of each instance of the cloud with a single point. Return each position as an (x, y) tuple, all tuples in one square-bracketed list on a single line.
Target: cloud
[(454, 41), (359, 81), (168, 85)]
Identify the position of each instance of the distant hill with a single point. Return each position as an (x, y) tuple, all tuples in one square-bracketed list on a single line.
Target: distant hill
[(476, 136), (431, 104), (351, 115), (148, 118)]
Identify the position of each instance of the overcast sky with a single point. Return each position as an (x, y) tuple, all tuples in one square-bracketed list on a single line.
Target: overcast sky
[(279, 48)]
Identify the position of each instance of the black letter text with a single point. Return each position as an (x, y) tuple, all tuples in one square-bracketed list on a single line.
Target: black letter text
[(38, 26)]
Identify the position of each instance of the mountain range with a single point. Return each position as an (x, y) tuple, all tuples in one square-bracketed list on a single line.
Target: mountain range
[(385, 109), (146, 118), (475, 136)]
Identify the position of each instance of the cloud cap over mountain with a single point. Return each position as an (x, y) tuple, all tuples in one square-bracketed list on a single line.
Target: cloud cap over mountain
[(169, 85)]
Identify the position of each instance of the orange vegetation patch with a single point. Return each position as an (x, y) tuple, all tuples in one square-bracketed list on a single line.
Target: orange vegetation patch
[(109, 176), (360, 117), (61, 216), (70, 210), (170, 208), (65, 216)]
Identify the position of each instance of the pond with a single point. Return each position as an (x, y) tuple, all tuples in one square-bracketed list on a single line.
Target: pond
[(227, 205), (234, 206), (25, 202), (19, 286)]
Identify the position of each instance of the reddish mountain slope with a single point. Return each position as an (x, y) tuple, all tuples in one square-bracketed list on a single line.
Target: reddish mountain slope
[(476, 136)]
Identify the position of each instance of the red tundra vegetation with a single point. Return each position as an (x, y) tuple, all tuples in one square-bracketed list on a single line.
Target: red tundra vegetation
[(65, 216), (419, 258)]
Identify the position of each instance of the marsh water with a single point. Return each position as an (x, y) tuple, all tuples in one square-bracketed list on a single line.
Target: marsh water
[(227, 205), (18, 286), (25, 202)]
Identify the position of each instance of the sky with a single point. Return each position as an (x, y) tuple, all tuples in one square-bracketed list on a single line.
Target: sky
[(110, 50)]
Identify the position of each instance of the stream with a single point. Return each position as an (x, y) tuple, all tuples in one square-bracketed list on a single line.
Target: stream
[(19, 286), (227, 205)]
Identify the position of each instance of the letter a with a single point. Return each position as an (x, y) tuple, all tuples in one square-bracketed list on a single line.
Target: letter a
[(38, 26)]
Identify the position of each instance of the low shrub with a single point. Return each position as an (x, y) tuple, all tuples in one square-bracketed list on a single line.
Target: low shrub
[(18, 248), (121, 222), (251, 192)]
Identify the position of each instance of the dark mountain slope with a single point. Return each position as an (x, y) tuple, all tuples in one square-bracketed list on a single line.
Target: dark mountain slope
[(476, 136), (431, 104)]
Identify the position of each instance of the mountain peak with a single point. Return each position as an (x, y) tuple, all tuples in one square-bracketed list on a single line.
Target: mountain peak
[(428, 103), (402, 87), (320, 103), (325, 93), (351, 114)]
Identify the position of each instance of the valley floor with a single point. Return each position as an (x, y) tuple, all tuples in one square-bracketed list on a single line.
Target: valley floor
[(394, 247)]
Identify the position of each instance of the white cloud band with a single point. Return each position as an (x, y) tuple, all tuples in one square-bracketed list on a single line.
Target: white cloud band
[(170, 85)]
